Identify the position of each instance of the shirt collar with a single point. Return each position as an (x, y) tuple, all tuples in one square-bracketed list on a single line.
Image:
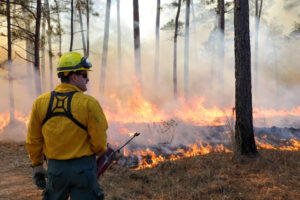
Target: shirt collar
[(66, 87)]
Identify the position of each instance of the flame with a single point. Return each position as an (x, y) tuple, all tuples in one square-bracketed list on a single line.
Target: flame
[(22, 117), (136, 109), (291, 145), (150, 159), (4, 119), (264, 113)]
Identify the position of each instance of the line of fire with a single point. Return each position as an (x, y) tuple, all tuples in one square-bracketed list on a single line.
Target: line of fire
[(174, 83)]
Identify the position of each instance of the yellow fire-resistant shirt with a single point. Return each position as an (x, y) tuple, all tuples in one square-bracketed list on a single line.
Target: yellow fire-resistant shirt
[(60, 138)]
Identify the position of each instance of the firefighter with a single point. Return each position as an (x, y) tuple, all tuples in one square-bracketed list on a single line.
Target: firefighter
[(68, 128)]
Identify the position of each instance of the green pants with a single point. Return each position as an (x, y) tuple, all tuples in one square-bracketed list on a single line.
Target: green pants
[(76, 178)]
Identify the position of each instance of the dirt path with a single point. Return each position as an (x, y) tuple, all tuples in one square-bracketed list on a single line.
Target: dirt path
[(15, 173)]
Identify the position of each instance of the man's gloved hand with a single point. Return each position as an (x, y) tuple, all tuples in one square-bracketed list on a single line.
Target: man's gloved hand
[(39, 176)]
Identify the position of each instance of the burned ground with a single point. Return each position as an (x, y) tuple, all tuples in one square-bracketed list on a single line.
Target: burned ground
[(274, 175)]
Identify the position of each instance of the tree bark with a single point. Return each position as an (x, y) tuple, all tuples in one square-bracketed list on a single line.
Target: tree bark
[(29, 52), (257, 20), (81, 27), (87, 27), (194, 28), (43, 43), (156, 62), (37, 48), (59, 27), (49, 36), (136, 36), (186, 49), (105, 46), (72, 27), (221, 12), (9, 61), (244, 136), (175, 51)]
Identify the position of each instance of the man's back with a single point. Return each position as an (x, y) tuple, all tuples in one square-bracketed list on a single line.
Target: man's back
[(64, 139)]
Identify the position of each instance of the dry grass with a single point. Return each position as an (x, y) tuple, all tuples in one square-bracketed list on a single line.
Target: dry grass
[(274, 175)]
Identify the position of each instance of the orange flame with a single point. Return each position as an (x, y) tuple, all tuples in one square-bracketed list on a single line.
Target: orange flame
[(195, 150), (4, 119), (291, 145)]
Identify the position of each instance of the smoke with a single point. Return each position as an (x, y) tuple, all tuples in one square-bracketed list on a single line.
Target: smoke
[(278, 74)]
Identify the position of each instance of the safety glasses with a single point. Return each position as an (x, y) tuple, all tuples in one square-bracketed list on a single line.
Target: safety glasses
[(81, 73), (84, 75)]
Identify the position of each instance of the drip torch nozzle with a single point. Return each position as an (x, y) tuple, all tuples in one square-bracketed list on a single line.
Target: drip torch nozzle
[(136, 134)]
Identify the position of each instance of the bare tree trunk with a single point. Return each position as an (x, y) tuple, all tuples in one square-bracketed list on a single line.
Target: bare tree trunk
[(257, 19), (81, 27), (156, 64), (49, 35), (244, 136), (87, 27), (9, 61), (105, 47), (119, 44), (186, 49), (59, 27), (137, 44), (175, 51), (72, 28), (194, 28), (29, 53), (221, 12), (37, 77), (43, 43)]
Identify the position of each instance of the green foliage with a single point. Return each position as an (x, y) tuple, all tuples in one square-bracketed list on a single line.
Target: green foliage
[(171, 25)]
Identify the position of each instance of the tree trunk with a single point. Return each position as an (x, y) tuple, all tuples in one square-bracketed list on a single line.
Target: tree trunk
[(37, 48), (221, 12), (9, 61), (194, 28), (137, 46), (156, 64), (59, 27), (72, 28), (244, 136), (29, 53), (87, 27), (257, 19), (119, 44), (175, 51), (105, 46), (81, 27), (49, 35), (186, 49), (43, 43)]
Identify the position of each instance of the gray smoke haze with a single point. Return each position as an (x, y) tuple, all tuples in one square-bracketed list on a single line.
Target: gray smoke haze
[(279, 72)]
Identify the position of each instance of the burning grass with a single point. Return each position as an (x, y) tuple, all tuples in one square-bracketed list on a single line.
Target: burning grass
[(274, 175)]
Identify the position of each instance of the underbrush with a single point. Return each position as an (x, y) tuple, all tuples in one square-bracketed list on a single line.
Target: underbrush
[(273, 175)]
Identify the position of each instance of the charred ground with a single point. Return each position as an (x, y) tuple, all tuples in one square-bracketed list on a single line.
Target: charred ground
[(274, 175)]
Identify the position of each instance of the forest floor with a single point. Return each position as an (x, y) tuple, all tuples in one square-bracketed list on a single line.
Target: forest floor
[(274, 175)]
